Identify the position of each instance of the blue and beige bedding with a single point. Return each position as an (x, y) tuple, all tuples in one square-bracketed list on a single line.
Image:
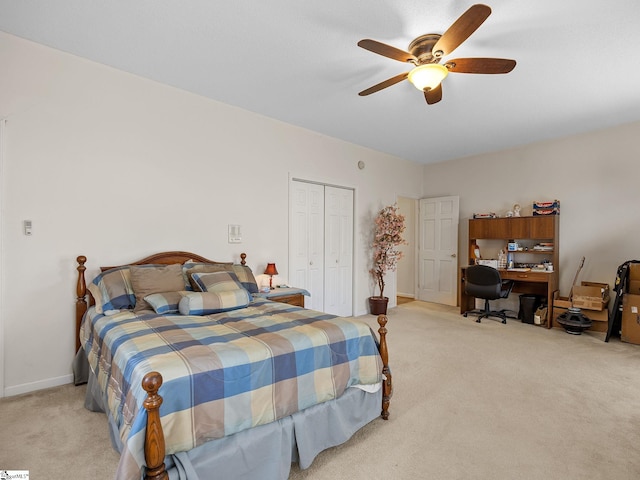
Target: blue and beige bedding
[(252, 362)]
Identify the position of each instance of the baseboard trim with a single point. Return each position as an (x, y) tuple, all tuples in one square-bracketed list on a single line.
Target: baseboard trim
[(406, 295), (39, 385)]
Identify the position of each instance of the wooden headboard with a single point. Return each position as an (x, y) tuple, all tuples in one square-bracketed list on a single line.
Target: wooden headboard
[(84, 298)]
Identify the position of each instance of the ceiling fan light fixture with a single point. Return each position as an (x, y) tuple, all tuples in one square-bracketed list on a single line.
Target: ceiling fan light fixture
[(427, 77)]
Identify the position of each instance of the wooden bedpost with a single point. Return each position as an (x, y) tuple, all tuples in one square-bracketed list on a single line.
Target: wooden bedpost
[(387, 385), (154, 451), (81, 301), (243, 258)]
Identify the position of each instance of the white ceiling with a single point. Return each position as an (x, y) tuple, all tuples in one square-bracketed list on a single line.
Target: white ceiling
[(297, 61)]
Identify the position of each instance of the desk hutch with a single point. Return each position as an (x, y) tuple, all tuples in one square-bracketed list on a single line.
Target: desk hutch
[(526, 231)]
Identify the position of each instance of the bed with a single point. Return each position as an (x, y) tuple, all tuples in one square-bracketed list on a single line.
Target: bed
[(200, 378)]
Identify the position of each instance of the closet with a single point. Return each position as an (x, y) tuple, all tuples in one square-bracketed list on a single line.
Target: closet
[(321, 245)]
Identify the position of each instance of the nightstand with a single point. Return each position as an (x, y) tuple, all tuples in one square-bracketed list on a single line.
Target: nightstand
[(292, 296)]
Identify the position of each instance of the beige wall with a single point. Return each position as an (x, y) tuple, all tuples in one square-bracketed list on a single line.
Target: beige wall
[(116, 167), (596, 176)]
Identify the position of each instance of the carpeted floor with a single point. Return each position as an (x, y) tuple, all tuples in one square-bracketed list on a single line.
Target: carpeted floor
[(400, 300), (51, 434), (471, 401)]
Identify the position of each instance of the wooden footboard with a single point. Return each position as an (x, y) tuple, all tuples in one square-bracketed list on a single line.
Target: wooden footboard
[(81, 301), (154, 437), (154, 452), (387, 384)]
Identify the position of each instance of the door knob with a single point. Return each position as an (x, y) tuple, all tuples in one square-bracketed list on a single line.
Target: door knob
[(453, 255), (311, 263)]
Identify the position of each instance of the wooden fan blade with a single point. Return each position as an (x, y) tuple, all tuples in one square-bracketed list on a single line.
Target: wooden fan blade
[(433, 96), (386, 50), (461, 29), (481, 65), (385, 84)]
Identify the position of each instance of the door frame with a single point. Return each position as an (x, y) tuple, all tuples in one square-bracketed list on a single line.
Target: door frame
[(414, 241)]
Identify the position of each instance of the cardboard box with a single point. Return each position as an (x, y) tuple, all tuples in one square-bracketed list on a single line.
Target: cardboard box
[(603, 286), (599, 318), (591, 296), (631, 319), (560, 302), (633, 281)]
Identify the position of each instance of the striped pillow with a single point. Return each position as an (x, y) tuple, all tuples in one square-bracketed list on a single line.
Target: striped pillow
[(205, 303), (215, 281), (166, 302), (191, 267), (112, 290), (245, 275)]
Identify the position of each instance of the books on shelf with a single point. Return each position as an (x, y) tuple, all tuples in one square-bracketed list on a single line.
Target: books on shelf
[(543, 247)]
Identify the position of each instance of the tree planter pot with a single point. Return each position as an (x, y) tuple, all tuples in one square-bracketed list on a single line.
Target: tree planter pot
[(378, 305)]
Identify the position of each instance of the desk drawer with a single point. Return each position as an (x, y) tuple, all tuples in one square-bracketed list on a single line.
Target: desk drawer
[(526, 276)]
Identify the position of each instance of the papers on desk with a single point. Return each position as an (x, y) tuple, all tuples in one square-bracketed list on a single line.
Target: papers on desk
[(525, 269)]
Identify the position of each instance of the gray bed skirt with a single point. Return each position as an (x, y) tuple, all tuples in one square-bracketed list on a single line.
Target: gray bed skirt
[(265, 452)]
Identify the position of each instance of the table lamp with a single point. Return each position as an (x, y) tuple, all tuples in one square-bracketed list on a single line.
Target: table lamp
[(271, 270)]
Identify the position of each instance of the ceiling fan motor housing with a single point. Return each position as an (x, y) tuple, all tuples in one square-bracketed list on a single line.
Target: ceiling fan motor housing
[(422, 48)]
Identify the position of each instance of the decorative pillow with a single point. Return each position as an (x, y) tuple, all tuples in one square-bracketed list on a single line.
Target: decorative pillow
[(205, 303), (149, 279), (215, 282), (112, 290), (189, 268), (245, 275), (165, 302)]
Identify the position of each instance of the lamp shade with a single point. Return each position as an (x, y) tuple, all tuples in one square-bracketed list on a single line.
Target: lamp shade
[(271, 269), (427, 77)]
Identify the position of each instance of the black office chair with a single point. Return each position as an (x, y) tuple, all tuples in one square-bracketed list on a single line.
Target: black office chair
[(485, 282)]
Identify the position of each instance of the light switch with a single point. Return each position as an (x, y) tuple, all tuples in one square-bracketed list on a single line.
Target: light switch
[(235, 234), (27, 227)]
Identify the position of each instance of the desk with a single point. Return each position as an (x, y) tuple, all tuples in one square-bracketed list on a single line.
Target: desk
[(535, 282)]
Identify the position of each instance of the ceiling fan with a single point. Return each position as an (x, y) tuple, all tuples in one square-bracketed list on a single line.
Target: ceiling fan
[(426, 52)]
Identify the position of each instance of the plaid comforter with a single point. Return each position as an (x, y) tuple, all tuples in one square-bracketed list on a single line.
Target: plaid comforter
[(222, 373)]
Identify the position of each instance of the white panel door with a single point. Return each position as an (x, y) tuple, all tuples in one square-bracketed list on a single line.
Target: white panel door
[(438, 250), (316, 248), (306, 242), (298, 234), (338, 235)]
